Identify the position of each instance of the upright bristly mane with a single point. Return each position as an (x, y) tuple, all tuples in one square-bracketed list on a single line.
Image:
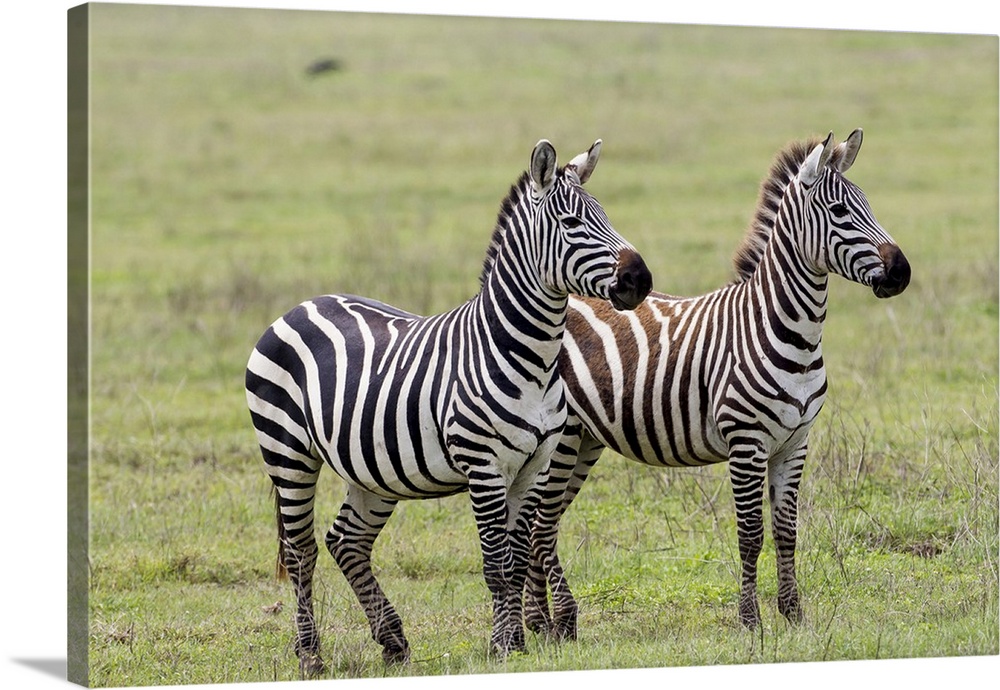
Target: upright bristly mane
[(785, 167), (507, 206)]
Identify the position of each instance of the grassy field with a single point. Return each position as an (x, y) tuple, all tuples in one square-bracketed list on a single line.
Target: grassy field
[(229, 183)]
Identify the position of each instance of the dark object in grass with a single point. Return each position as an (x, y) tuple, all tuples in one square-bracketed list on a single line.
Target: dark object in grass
[(323, 65)]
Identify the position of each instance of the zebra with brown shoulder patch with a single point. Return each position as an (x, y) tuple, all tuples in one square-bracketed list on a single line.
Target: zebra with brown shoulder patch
[(733, 376)]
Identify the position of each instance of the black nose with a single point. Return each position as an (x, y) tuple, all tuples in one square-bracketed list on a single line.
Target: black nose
[(634, 281), (897, 272)]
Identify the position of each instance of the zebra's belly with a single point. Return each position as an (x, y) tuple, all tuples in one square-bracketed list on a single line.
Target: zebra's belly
[(668, 438), (407, 465), (686, 433), (703, 444)]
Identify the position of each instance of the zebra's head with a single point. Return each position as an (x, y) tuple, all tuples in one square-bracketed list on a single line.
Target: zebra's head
[(579, 251), (846, 237)]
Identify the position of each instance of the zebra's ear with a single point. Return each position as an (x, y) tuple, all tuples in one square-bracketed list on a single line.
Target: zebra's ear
[(849, 148), (543, 166), (816, 161), (583, 164)]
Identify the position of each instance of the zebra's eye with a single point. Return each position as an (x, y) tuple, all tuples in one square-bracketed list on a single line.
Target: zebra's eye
[(839, 210), (572, 222)]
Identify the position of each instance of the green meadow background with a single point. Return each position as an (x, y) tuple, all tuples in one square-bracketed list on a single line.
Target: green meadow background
[(229, 182)]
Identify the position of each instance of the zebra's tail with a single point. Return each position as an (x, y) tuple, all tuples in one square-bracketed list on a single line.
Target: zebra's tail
[(280, 569)]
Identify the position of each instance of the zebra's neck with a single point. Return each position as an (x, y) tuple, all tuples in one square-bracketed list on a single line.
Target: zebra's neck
[(789, 292), (525, 319)]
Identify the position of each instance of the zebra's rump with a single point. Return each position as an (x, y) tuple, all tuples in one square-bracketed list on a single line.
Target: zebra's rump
[(358, 376)]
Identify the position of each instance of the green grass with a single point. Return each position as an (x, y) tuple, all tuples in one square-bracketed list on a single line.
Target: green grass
[(228, 185)]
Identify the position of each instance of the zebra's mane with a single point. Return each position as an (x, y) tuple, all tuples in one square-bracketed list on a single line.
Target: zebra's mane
[(783, 170), (507, 206), (517, 190)]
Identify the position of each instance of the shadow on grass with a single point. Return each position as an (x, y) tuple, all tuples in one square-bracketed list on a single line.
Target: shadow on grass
[(50, 667)]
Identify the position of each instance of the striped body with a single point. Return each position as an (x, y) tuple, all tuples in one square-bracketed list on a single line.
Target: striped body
[(407, 407), (733, 376), (402, 455), (383, 427), (687, 373)]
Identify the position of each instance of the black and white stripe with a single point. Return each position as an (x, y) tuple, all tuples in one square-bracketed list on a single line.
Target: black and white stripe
[(408, 407), (736, 375)]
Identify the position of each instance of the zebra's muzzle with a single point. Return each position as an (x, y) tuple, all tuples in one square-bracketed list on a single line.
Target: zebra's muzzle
[(633, 281), (895, 274)]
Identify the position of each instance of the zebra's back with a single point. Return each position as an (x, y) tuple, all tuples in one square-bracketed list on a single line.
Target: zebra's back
[(350, 381)]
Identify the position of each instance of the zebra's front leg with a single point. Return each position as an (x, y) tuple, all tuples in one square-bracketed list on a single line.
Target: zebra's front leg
[(521, 511), (747, 471), (523, 498), (350, 541), (489, 494), (489, 506), (783, 491)]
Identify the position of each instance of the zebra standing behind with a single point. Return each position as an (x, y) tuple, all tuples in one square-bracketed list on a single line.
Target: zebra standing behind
[(408, 407), (736, 375)]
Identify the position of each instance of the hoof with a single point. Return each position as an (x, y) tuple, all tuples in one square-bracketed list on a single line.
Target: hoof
[(394, 654), (750, 619), (792, 611), (503, 650), (501, 653), (538, 624), (563, 632), (311, 665), (794, 616)]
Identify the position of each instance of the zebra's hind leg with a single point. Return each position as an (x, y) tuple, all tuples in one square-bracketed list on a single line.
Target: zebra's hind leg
[(297, 552), (783, 492), (575, 456), (544, 532), (350, 541)]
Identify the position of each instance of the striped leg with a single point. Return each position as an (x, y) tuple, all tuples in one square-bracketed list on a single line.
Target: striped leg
[(783, 493), (294, 475), (575, 456), (350, 541), (287, 449), (490, 509), (747, 467), (298, 553), (544, 531), (503, 517), (522, 505)]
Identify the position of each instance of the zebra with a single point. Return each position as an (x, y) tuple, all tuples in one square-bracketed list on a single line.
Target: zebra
[(409, 407), (735, 375)]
